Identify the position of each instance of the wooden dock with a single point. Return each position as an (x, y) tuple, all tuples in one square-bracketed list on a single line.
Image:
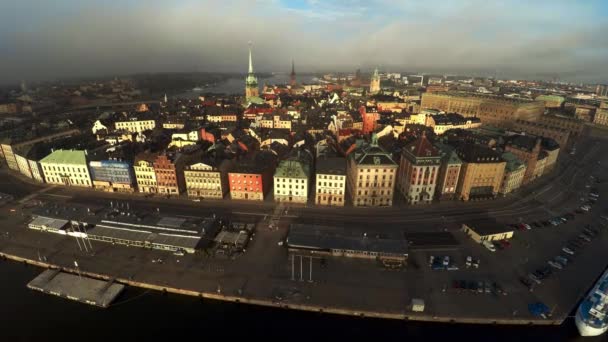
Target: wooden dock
[(78, 288)]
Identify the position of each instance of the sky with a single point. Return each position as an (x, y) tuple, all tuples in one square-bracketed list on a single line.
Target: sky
[(41, 39)]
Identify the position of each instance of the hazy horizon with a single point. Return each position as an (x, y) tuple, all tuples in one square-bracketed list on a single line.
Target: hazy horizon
[(510, 39)]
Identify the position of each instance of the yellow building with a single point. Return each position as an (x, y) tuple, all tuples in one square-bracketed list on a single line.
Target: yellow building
[(481, 172), (145, 174), (560, 135), (136, 124), (330, 182), (371, 175), (492, 110), (66, 167), (514, 173), (601, 117), (573, 125), (487, 230), (207, 180)]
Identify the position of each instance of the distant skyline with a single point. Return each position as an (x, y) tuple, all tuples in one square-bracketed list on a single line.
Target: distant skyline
[(512, 39)]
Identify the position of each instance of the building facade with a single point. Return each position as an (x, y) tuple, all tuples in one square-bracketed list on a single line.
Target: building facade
[(169, 174), (371, 176), (527, 149), (145, 174), (135, 124), (491, 110), (560, 135), (112, 175), (418, 171), (481, 173), (330, 181), (449, 172), (601, 117), (514, 173), (66, 167), (204, 180), (291, 180), (573, 125)]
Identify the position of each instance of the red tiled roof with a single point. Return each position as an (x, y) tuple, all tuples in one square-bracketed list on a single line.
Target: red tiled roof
[(422, 147)]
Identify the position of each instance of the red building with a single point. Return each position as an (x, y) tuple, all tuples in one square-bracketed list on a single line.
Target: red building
[(252, 178), (169, 174), (370, 117)]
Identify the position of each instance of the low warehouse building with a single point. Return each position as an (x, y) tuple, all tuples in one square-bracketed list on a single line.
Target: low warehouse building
[(487, 230), (334, 241)]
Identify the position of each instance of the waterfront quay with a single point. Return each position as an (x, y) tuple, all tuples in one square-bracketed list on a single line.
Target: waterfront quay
[(76, 287), (266, 274)]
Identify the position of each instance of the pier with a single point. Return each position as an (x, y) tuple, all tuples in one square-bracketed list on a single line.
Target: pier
[(76, 287)]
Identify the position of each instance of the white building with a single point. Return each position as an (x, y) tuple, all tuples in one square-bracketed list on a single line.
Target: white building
[(66, 167), (145, 174), (291, 181), (136, 124), (330, 181)]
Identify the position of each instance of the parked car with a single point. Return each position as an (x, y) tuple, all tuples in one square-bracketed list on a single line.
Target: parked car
[(489, 246), (546, 223), (446, 261), (585, 208), (486, 288), (536, 224), (560, 259), (480, 287), (568, 250), (585, 237), (534, 278), (476, 263), (555, 264), (527, 282), (468, 261)]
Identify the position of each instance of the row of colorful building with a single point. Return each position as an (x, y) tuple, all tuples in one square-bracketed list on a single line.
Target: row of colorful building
[(365, 175)]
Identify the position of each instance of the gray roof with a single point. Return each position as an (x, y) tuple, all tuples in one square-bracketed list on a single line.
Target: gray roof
[(180, 241), (328, 238), (331, 165)]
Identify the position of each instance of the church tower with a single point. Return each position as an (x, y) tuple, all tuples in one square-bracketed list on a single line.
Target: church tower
[(251, 82), (374, 85), (292, 76)]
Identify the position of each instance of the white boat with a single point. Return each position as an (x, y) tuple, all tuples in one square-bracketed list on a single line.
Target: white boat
[(591, 317)]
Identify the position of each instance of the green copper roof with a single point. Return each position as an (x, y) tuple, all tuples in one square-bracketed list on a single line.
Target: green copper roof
[(256, 100), (554, 98), (513, 163), (292, 169), (68, 157)]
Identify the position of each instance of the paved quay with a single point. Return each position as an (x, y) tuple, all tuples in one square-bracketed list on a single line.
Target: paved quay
[(264, 274)]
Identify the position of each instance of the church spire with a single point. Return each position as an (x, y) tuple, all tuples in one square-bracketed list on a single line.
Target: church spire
[(250, 62), (292, 78)]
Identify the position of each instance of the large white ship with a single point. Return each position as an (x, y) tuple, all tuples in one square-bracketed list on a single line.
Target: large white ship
[(591, 317)]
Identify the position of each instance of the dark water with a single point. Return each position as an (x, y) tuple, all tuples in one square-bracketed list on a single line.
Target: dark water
[(237, 85), (26, 315)]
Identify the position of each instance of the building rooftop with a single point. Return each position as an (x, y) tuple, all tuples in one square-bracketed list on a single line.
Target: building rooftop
[(331, 165), (68, 157), (328, 238), (473, 153), (485, 227), (421, 148), (513, 163)]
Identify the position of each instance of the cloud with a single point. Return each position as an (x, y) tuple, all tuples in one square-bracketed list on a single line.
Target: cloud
[(515, 38)]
